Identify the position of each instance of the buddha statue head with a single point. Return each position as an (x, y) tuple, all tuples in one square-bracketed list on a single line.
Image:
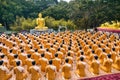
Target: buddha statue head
[(40, 15)]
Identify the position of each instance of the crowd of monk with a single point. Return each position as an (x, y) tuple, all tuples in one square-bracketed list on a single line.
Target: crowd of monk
[(45, 55)]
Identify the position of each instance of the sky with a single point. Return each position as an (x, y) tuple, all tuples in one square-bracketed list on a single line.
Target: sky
[(65, 0)]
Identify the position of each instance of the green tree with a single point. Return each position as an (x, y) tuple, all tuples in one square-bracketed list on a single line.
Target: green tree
[(22, 23)]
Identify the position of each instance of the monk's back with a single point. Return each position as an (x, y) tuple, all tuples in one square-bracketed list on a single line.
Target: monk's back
[(35, 73), (67, 71), (43, 63), (57, 62), (51, 70), (81, 67), (19, 73), (2, 74)]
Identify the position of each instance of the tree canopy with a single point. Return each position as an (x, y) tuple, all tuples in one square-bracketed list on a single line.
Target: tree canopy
[(82, 13)]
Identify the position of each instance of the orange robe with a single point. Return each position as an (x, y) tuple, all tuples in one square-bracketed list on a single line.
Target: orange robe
[(20, 73), (51, 72), (35, 72)]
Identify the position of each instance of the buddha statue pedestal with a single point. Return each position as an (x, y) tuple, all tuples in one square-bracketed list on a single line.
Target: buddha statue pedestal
[(41, 29)]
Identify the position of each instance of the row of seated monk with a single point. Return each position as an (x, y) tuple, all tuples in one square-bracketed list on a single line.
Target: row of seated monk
[(89, 54), (80, 70), (69, 45)]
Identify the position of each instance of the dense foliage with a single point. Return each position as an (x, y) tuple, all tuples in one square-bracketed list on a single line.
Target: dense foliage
[(52, 23), (81, 13), (22, 23)]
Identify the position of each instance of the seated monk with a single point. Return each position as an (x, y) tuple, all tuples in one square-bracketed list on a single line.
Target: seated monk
[(91, 55), (10, 57), (52, 50), (81, 54), (47, 45), (60, 54), (109, 45), (36, 56), (94, 46), (81, 67), (102, 57), (5, 49), (23, 57), (51, 71), (2, 57), (107, 50), (91, 58), (86, 48), (48, 55), (70, 53), (88, 53), (27, 47), (71, 49), (98, 51), (63, 50), (64, 46), (28, 61), (57, 62), (34, 71), (113, 56), (77, 48), (43, 62), (20, 72), (4, 72), (116, 64), (31, 51), (41, 50), (107, 64), (15, 49), (66, 70), (102, 45), (94, 66), (117, 49), (55, 46), (15, 60), (70, 59)]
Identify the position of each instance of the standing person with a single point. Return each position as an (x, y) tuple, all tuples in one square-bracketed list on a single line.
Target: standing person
[(67, 69), (4, 72), (20, 72), (51, 71), (34, 70)]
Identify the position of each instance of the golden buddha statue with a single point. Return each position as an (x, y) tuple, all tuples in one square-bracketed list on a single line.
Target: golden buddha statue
[(40, 23)]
